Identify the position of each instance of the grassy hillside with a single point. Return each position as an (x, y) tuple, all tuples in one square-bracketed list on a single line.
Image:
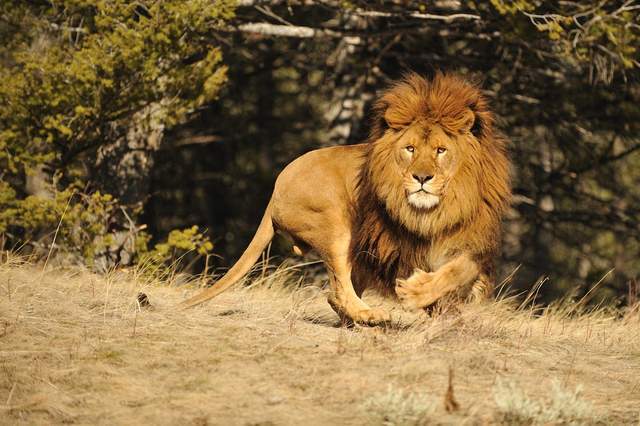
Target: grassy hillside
[(77, 348)]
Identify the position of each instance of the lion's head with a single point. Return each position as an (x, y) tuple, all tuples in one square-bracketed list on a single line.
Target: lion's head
[(434, 160)]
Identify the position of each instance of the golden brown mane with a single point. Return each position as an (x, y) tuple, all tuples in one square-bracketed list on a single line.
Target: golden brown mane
[(390, 237), (415, 211)]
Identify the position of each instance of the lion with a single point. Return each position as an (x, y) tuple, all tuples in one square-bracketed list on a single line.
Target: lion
[(414, 211)]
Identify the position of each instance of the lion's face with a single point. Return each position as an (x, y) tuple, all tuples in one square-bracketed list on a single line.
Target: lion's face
[(433, 159), (426, 157)]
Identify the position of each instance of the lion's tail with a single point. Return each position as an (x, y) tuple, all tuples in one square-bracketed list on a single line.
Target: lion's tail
[(260, 240)]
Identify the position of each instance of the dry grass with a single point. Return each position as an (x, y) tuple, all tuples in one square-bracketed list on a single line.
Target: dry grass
[(76, 348)]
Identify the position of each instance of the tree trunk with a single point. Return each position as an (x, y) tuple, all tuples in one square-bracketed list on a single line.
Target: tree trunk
[(350, 62), (122, 169)]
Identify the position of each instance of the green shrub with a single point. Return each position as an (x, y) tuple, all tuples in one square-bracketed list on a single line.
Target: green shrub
[(76, 76)]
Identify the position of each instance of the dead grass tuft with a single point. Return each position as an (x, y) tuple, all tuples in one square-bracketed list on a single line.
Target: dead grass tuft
[(515, 407), (396, 407), (76, 347)]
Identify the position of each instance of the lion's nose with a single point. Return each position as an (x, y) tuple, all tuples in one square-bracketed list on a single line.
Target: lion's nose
[(422, 178)]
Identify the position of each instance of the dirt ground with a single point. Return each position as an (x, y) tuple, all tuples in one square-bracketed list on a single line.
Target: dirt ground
[(78, 348)]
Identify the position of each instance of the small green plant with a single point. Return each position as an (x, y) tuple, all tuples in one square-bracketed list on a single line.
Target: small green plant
[(398, 407), (80, 225), (178, 243), (68, 220)]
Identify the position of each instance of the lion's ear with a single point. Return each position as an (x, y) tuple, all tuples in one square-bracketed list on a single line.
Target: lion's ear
[(395, 118), (378, 122), (468, 121)]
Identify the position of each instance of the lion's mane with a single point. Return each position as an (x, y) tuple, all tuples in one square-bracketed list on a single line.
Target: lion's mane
[(390, 237)]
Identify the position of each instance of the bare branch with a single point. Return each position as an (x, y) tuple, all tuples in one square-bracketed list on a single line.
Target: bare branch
[(266, 10), (353, 37), (416, 15), (286, 30), (249, 3), (365, 13)]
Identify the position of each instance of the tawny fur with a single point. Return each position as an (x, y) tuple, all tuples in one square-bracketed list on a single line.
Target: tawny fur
[(415, 210)]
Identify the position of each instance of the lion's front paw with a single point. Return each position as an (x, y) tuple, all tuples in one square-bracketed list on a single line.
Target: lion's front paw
[(372, 317), (417, 291)]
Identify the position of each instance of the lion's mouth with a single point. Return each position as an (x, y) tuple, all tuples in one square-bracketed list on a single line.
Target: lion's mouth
[(424, 191), (422, 199)]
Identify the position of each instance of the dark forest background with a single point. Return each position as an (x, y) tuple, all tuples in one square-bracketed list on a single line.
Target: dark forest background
[(136, 132)]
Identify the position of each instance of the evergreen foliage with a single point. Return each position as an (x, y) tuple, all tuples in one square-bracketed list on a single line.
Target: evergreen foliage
[(77, 74)]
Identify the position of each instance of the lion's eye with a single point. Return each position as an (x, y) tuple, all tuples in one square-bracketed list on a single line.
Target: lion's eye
[(410, 148), (441, 150)]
